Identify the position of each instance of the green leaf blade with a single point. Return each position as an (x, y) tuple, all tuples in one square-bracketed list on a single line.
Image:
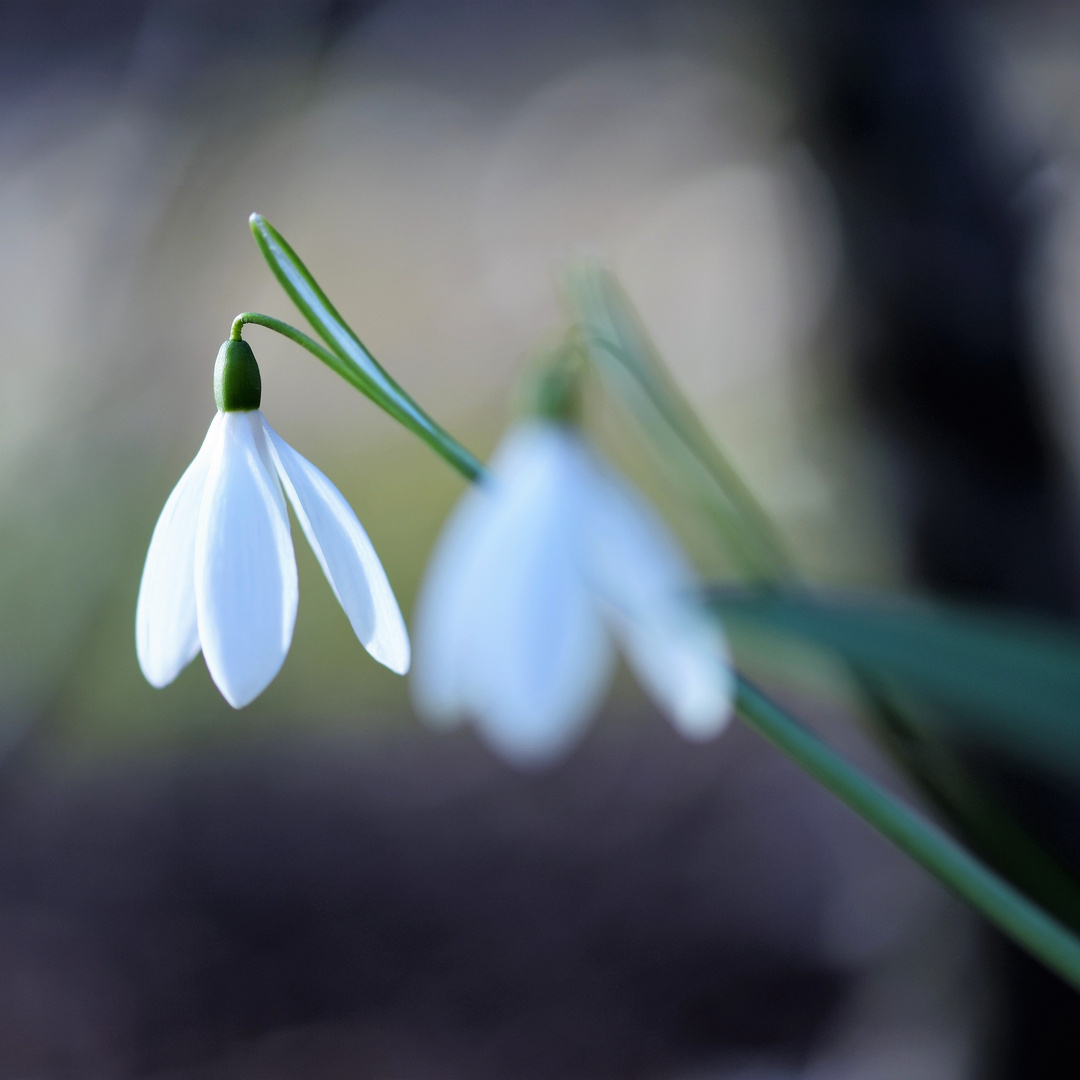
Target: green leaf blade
[(1007, 679), (999, 901), (631, 365)]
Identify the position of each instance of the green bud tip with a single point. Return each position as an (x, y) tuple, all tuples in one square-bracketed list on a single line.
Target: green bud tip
[(554, 388), (237, 383)]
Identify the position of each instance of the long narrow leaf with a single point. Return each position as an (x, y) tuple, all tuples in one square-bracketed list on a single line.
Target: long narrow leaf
[(358, 366), (998, 900), (630, 363), (1007, 679)]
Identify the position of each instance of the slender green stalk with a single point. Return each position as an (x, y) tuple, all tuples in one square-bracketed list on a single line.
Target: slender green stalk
[(355, 363), (253, 318), (439, 440), (1006, 907)]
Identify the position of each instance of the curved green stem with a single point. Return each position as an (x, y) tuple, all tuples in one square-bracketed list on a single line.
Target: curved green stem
[(253, 318), (352, 360), (1005, 906), (441, 441)]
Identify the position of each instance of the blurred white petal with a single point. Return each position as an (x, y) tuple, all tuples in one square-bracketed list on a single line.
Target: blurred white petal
[(441, 611), (245, 570), (508, 631), (539, 655), (346, 555), (633, 561), (681, 659), (454, 585), (166, 625), (532, 576), (646, 586)]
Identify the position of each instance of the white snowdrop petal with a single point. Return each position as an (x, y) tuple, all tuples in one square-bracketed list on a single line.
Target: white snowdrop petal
[(442, 608), (545, 659), (166, 626), (682, 661), (634, 561), (456, 583), (645, 584), (346, 555), (245, 570), (538, 656)]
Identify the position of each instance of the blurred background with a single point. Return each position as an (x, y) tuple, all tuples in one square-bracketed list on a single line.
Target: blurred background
[(854, 233)]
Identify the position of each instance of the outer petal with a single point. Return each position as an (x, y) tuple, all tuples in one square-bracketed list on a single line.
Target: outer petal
[(346, 555), (245, 571), (443, 608), (516, 637), (166, 628), (682, 660), (644, 580)]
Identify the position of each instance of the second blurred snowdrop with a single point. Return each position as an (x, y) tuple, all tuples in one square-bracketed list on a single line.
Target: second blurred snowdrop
[(539, 571)]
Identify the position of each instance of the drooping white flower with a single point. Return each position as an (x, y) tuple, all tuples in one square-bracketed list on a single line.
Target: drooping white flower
[(220, 574), (537, 572)]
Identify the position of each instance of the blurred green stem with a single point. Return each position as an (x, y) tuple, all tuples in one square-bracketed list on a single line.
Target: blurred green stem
[(630, 363), (983, 822), (765, 553), (1005, 906)]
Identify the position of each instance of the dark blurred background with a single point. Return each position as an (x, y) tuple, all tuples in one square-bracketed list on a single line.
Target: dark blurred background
[(853, 230)]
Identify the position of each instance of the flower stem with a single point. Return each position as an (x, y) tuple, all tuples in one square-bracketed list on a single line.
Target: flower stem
[(253, 318), (439, 440), (1006, 907), (354, 362)]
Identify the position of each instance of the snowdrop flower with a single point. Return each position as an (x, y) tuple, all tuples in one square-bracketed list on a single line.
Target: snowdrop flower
[(220, 574), (535, 574)]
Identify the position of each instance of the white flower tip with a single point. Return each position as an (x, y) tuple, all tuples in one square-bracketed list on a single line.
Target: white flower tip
[(702, 703), (156, 677), (683, 662), (241, 693), (396, 654), (701, 697), (533, 733), (705, 710), (530, 747), (163, 654)]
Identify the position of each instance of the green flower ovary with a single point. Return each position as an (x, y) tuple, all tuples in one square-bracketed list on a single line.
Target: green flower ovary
[(237, 382)]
